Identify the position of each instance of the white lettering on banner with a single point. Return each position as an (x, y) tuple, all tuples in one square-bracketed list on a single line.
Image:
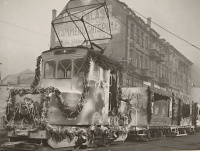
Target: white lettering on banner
[(96, 23)]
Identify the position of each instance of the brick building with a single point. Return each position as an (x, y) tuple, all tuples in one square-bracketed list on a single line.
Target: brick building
[(151, 61)]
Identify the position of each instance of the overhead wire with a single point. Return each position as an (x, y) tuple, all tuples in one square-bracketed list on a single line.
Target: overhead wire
[(22, 42), (168, 31), (134, 31), (24, 28), (114, 16), (164, 29)]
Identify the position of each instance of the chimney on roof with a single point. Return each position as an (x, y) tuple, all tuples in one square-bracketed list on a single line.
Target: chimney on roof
[(168, 43), (163, 40), (52, 41), (149, 21)]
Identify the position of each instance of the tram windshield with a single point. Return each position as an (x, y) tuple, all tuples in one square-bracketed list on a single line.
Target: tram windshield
[(49, 68), (64, 69)]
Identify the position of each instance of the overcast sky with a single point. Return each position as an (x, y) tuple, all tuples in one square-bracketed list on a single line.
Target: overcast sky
[(19, 48)]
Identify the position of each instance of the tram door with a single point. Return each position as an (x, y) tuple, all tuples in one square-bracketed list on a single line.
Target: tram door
[(113, 93)]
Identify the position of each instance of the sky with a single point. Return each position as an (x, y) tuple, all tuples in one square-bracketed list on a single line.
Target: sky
[(25, 29)]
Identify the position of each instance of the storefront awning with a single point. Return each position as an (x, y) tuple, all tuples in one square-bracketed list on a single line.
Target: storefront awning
[(161, 92)]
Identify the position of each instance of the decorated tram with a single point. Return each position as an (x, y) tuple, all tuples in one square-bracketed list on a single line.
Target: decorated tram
[(155, 114), (80, 97), (74, 100)]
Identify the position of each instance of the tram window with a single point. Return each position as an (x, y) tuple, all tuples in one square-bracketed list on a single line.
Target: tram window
[(79, 67), (49, 69), (96, 70), (64, 69), (105, 75)]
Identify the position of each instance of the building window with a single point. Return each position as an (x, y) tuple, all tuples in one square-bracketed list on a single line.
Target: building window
[(64, 69), (124, 82), (138, 36), (132, 30), (163, 72), (160, 71), (170, 79), (49, 69), (150, 42), (136, 60), (127, 82), (146, 63), (130, 83), (150, 65), (141, 62), (156, 69), (142, 36), (147, 43), (78, 67)]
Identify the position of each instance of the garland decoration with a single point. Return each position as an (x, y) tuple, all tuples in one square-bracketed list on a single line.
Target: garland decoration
[(173, 107), (29, 112), (67, 112), (179, 111), (195, 114), (119, 94), (103, 62), (37, 73), (107, 64), (106, 133), (33, 115), (149, 113), (59, 134)]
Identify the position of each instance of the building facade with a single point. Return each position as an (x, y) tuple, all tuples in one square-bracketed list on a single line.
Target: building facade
[(154, 61), (151, 61)]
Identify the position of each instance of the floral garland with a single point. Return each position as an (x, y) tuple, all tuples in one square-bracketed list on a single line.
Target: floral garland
[(119, 94), (27, 110), (106, 133), (35, 120), (173, 107), (37, 73), (195, 114), (103, 62), (59, 134), (40, 121), (149, 113), (67, 113), (179, 111)]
